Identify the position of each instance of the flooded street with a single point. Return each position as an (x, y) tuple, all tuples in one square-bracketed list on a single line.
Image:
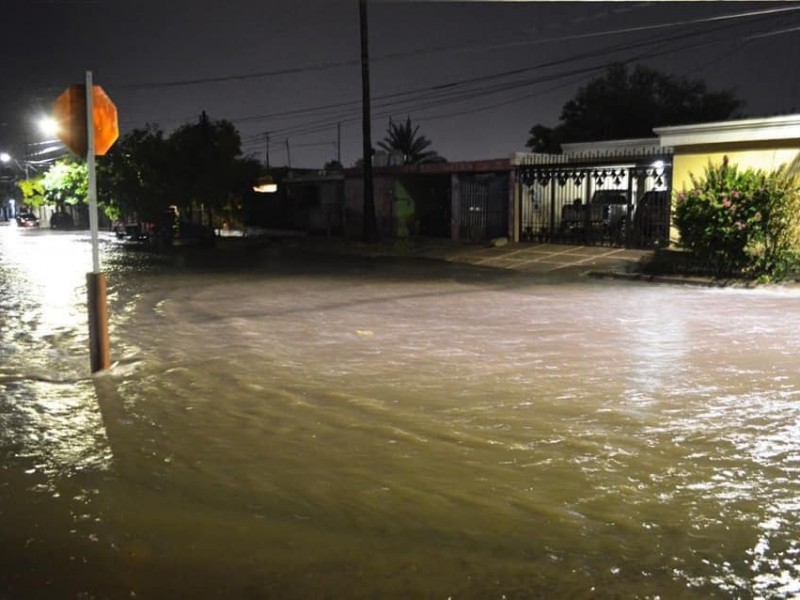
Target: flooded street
[(298, 427)]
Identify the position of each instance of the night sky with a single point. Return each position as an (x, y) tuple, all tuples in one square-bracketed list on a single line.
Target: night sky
[(291, 68)]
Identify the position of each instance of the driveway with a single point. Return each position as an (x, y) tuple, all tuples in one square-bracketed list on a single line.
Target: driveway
[(532, 258), (554, 258)]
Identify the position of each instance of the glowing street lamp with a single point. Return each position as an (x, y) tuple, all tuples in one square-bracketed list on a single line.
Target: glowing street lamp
[(5, 157), (48, 126)]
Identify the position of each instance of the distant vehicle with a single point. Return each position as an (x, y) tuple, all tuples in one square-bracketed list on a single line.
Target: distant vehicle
[(61, 220), (193, 234), (134, 232), (27, 220)]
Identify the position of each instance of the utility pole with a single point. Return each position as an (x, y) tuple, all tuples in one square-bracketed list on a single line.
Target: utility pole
[(370, 229), (266, 147), (288, 154), (339, 142)]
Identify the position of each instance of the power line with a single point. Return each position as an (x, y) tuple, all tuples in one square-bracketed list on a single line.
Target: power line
[(447, 96), (441, 89), (475, 88), (428, 51)]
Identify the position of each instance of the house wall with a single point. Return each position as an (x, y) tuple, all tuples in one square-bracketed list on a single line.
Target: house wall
[(383, 198), (689, 161), (421, 199), (692, 160)]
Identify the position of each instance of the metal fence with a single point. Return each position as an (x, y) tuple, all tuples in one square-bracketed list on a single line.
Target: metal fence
[(484, 206), (611, 204)]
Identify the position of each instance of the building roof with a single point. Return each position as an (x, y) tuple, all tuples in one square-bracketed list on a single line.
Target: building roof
[(601, 152), (496, 165), (785, 127)]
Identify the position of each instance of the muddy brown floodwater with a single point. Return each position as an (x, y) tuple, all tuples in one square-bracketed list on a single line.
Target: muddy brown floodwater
[(287, 426)]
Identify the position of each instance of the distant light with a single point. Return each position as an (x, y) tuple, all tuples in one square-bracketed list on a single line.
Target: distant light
[(266, 188), (48, 126), (5, 157), (266, 185), (659, 164)]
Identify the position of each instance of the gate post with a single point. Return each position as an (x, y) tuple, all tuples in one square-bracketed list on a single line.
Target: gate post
[(455, 207), (514, 206)]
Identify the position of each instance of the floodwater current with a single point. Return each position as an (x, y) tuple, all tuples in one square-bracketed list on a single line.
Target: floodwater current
[(281, 425)]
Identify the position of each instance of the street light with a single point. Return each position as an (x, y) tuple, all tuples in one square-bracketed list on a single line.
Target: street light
[(48, 126), (5, 157)]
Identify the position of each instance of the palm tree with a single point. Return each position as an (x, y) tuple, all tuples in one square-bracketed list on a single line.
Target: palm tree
[(404, 139)]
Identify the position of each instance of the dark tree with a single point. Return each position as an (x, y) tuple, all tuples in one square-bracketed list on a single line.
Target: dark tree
[(204, 157), (134, 177), (199, 166), (623, 104), (404, 138)]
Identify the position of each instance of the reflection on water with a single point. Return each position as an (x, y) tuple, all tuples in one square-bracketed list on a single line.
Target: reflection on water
[(332, 429)]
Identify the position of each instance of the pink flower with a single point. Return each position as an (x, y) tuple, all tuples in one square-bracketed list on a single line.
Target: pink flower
[(735, 195), (726, 202)]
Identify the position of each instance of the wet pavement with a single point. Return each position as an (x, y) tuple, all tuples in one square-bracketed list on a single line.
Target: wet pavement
[(303, 421), (533, 258)]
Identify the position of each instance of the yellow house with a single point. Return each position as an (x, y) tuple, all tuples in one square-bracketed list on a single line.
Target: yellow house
[(763, 143)]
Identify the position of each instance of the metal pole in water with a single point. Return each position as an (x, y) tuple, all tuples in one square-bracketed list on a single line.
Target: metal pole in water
[(99, 351)]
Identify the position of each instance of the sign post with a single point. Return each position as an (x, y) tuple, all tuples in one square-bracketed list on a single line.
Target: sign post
[(88, 126), (99, 347)]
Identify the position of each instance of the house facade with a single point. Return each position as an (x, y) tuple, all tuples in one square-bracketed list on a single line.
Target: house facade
[(765, 143), (471, 200), (616, 192)]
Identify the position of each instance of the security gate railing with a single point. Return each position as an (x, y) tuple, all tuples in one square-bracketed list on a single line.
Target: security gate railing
[(484, 206), (619, 205)]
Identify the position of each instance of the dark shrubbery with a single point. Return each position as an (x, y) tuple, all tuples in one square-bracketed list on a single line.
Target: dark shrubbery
[(743, 222)]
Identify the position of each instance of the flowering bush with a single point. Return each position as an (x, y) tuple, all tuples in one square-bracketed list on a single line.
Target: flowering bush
[(742, 222)]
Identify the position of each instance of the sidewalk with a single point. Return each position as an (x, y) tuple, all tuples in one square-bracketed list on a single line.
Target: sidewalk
[(533, 258)]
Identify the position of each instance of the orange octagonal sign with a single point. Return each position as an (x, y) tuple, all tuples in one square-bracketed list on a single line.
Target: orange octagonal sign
[(69, 110)]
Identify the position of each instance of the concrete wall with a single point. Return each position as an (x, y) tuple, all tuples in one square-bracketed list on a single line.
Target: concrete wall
[(429, 190), (383, 197)]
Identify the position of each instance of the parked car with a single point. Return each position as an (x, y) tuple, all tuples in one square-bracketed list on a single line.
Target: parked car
[(134, 232), (651, 220), (603, 219), (61, 220), (193, 234), (27, 220), (609, 213)]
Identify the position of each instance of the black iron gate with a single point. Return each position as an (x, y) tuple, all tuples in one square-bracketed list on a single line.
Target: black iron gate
[(484, 206), (619, 205)]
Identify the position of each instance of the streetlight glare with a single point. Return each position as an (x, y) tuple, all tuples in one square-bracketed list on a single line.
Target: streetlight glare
[(5, 157), (48, 126)]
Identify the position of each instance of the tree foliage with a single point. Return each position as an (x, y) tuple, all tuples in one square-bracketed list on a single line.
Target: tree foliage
[(145, 173), (206, 162), (66, 182), (198, 165), (405, 139), (32, 190), (743, 221), (134, 176), (624, 104)]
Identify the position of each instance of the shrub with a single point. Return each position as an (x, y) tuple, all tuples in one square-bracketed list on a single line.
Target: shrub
[(744, 223)]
